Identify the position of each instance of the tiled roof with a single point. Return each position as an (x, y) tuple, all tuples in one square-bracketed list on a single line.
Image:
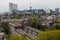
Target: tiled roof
[(17, 23)]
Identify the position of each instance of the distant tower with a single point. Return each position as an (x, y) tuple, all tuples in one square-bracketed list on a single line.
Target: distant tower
[(30, 8)]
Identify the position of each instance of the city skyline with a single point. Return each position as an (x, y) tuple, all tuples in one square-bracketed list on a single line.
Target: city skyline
[(25, 4)]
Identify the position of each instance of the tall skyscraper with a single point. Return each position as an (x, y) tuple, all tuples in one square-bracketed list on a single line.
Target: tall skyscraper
[(12, 7), (56, 10)]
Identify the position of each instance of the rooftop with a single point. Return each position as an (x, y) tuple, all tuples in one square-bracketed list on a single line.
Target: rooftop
[(16, 23)]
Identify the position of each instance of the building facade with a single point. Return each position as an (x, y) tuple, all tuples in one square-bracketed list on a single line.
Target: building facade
[(12, 7)]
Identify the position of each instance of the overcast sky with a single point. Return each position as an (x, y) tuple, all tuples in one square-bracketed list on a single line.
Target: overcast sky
[(25, 4)]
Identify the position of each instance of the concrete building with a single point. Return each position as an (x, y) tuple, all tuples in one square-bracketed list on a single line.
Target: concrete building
[(24, 30), (56, 10), (18, 12), (52, 12), (41, 11), (31, 11), (12, 7)]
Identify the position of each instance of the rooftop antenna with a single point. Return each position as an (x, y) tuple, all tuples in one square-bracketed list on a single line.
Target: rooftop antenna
[(30, 5)]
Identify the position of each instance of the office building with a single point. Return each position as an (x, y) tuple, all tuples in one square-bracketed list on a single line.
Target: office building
[(12, 7), (56, 10)]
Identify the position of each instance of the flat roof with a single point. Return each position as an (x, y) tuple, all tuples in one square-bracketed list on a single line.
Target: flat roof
[(36, 30), (18, 23)]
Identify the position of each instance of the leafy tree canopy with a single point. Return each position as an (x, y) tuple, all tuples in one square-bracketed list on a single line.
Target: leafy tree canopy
[(19, 38), (49, 35)]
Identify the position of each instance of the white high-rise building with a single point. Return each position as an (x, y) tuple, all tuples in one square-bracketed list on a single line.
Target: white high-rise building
[(12, 7)]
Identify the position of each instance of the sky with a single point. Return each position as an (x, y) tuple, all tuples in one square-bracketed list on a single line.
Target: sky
[(25, 4)]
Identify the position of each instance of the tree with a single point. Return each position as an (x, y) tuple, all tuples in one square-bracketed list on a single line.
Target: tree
[(18, 38), (49, 35), (36, 24), (57, 26), (6, 28)]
